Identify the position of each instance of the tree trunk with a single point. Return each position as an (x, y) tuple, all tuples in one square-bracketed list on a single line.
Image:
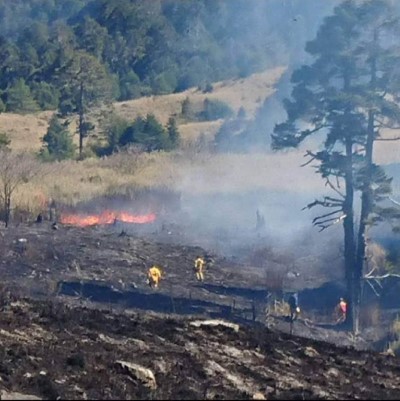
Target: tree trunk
[(349, 240), (366, 209), (81, 121), (366, 200), (7, 209)]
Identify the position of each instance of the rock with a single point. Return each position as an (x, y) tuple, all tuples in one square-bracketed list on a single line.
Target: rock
[(259, 396), (389, 352), (333, 372), (199, 323), (5, 395), (146, 376), (311, 352)]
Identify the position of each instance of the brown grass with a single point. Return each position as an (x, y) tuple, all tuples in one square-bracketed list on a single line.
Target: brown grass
[(26, 131), (248, 93), (72, 181)]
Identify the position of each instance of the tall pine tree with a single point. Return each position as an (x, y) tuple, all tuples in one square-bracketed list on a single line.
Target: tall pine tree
[(345, 95)]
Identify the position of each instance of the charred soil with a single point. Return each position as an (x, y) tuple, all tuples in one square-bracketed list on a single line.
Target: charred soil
[(79, 321)]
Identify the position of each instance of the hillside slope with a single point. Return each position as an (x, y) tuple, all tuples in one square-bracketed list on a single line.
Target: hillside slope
[(53, 350), (26, 131)]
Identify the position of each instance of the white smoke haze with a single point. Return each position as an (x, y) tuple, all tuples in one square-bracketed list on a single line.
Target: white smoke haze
[(221, 194), (222, 199)]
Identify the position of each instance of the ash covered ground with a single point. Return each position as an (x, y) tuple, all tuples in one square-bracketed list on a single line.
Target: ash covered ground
[(50, 350), (79, 320)]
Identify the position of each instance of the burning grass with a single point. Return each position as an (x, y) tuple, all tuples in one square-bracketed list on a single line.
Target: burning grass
[(106, 217)]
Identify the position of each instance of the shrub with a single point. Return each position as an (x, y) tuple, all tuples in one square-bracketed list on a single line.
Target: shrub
[(4, 140), (187, 109), (112, 129), (147, 132), (173, 133), (214, 110)]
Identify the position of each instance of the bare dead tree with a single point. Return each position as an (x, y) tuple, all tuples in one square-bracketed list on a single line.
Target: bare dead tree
[(15, 171)]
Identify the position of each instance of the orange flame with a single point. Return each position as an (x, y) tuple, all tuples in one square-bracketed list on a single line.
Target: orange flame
[(106, 217)]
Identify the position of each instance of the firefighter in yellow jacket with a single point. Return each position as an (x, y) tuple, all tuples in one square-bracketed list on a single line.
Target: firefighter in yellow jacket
[(154, 276), (199, 265)]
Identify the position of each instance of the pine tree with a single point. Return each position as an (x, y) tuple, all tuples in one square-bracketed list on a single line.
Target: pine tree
[(348, 94), (58, 141), (173, 133), (86, 84), (19, 98)]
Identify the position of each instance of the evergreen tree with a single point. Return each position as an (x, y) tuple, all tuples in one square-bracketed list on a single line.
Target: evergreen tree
[(86, 84), (187, 109), (154, 136), (148, 132), (173, 133), (348, 94), (46, 95), (58, 141), (113, 129), (19, 98)]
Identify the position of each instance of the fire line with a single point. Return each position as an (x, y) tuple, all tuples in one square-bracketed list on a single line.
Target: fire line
[(106, 217)]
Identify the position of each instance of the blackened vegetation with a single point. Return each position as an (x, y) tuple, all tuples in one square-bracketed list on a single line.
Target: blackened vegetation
[(50, 350)]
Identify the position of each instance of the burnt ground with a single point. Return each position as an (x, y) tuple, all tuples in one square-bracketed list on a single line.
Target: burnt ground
[(52, 350), (60, 279)]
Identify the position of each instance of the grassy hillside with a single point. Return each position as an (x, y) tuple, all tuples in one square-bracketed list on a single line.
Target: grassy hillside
[(26, 131), (73, 181)]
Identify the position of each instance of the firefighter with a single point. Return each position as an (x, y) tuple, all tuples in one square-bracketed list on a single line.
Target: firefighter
[(154, 276), (293, 302), (199, 265), (341, 311)]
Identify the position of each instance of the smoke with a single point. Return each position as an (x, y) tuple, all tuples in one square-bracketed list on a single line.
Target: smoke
[(223, 204)]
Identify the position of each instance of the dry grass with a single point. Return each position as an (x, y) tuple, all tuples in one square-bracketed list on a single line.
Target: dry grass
[(26, 131), (248, 93), (190, 132), (72, 182)]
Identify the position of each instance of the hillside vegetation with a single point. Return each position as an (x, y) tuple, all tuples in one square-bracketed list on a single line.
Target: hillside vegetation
[(26, 131), (75, 181), (140, 48)]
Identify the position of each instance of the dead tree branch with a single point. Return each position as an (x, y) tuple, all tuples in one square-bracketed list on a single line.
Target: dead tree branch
[(315, 220), (329, 184)]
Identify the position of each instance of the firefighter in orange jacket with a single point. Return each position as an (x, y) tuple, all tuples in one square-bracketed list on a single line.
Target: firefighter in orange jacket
[(154, 276), (341, 311), (199, 264)]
